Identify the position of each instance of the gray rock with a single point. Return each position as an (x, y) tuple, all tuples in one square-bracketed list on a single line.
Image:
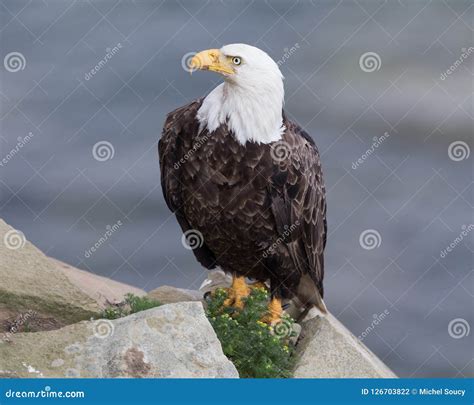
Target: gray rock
[(55, 293), (168, 295), (215, 279), (32, 282), (296, 332), (174, 340), (102, 290), (328, 350)]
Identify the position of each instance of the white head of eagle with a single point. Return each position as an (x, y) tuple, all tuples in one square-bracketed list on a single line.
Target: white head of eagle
[(251, 98)]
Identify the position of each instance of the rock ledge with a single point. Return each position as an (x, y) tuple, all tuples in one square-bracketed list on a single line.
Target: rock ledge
[(174, 340)]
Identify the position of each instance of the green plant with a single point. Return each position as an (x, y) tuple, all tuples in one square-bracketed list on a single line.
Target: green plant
[(130, 305), (138, 304), (257, 350)]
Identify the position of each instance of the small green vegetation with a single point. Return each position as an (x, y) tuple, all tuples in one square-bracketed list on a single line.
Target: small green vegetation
[(130, 305), (256, 349)]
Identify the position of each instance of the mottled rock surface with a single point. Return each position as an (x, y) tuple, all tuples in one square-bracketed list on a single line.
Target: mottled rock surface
[(30, 281), (328, 350), (49, 293), (168, 295), (174, 340), (103, 290)]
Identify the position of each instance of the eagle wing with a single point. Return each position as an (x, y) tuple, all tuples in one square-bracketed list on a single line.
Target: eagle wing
[(177, 132), (298, 200)]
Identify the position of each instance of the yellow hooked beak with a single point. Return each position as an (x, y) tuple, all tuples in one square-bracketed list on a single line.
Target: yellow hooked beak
[(212, 59)]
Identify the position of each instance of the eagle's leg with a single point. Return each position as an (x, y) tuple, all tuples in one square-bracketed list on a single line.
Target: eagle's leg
[(274, 311), (237, 291)]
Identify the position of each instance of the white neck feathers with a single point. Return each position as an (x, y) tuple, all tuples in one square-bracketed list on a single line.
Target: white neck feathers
[(251, 109)]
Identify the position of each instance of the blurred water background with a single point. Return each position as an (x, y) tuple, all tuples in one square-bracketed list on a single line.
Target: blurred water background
[(392, 213)]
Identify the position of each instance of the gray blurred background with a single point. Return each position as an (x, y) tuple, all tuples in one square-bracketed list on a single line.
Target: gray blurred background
[(391, 217)]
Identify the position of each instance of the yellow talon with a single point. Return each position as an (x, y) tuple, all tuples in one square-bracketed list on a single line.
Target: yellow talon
[(237, 291), (274, 312)]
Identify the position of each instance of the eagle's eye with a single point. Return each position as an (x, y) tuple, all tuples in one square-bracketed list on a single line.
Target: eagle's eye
[(236, 60)]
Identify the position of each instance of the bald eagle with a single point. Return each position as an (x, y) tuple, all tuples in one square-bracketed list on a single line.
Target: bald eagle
[(247, 181)]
